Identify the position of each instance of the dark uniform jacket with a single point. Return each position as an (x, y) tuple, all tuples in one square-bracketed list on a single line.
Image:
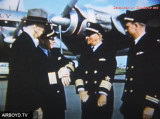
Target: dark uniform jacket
[(52, 94), (22, 91), (95, 74), (142, 74)]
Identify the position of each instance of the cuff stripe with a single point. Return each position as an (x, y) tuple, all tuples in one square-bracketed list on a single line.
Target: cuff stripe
[(106, 84), (70, 66), (79, 82), (152, 99)]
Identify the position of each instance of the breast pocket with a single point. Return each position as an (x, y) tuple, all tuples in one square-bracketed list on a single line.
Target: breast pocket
[(140, 60), (101, 63), (140, 56), (102, 59)]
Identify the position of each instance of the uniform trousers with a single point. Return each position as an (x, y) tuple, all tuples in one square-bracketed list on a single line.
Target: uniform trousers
[(51, 114), (90, 109)]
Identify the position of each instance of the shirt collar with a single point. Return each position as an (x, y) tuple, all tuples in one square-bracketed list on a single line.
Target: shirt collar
[(96, 46), (137, 39), (44, 50), (36, 41)]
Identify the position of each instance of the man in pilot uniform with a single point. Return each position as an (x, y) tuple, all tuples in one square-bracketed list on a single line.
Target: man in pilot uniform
[(142, 69), (94, 75), (53, 73)]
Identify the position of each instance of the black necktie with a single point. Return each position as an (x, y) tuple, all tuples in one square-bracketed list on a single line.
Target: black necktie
[(49, 53)]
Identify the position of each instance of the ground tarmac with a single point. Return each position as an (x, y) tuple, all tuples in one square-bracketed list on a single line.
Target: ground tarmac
[(73, 102)]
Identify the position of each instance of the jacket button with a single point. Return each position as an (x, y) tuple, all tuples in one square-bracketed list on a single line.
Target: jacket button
[(155, 96), (132, 67), (95, 92), (126, 67), (131, 91), (58, 91), (126, 79), (95, 71), (86, 82), (125, 90), (95, 82), (86, 72), (59, 58), (131, 79)]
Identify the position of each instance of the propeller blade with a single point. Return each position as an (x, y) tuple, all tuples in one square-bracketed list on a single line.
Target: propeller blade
[(68, 8)]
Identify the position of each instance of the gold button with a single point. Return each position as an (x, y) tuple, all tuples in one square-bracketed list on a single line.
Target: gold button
[(58, 91), (86, 72), (95, 71), (126, 67), (131, 91), (155, 96), (132, 67), (126, 79), (95, 82), (86, 82), (125, 90), (131, 79), (59, 58)]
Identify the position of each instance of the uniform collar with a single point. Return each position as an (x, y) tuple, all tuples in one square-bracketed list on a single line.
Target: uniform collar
[(44, 50), (137, 39), (96, 46)]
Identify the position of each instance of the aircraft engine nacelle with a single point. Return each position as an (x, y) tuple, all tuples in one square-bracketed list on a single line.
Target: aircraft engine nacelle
[(75, 22)]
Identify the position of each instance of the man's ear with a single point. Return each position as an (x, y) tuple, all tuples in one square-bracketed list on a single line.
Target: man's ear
[(100, 35), (136, 24)]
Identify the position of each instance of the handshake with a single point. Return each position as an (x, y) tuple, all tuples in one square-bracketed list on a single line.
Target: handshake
[(64, 75)]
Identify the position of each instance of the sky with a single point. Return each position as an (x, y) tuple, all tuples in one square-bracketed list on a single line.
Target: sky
[(56, 7)]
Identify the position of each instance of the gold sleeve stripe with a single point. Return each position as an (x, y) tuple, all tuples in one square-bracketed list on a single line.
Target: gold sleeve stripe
[(70, 65), (106, 84), (52, 78), (79, 82), (152, 99)]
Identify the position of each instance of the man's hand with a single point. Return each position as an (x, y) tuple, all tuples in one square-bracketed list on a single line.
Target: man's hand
[(83, 96), (38, 114), (148, 113), (63, 72), (102, 100), (65, 80)]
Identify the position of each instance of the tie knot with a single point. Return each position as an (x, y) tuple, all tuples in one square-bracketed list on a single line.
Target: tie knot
[(92, 47)]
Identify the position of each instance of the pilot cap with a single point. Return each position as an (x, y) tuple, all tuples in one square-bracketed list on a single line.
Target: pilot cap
[(94, 28), (135, 16), (49, 32), (37, 15)]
